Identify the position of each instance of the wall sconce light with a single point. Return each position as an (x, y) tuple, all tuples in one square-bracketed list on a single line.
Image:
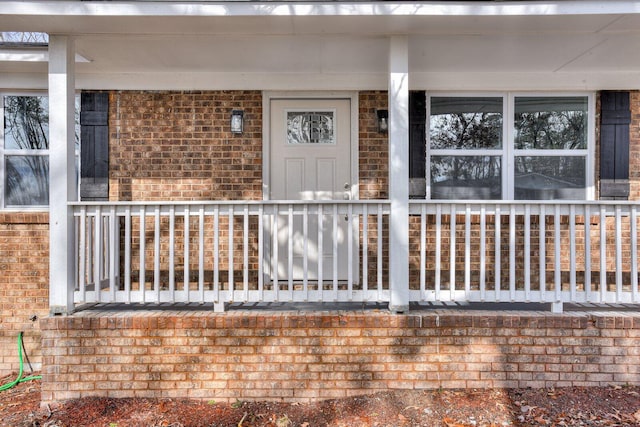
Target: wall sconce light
[(237, 119), (383, 120)]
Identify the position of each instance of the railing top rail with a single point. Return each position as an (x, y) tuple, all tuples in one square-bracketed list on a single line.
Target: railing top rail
[(360, 202), (527, 202), (232, 203)]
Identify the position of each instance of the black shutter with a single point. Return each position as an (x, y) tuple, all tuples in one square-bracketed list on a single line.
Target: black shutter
[(417, 144), (94, 146), (615, 118)]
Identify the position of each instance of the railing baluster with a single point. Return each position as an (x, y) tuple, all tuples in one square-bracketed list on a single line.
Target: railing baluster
[(186, 277), (497, 219), (82, 255), (127, 253), (216, 255), (231, 279), (483, 252), (261, 252), (156, 253), (603, 254), (572, 251), (587, 252), (201, 253), (438, 250), (320, 250), (542, 239), (98, 258), (290, 250), (379, 224), (113, 247), (634, 254), (527, 252), (274, 261), (245, 247), (556, 253), (423, 251), (142, 277), (334, 251), (91, 254), (618, 240)]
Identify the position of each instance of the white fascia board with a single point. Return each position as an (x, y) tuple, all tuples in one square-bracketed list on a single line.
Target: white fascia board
[(371, 81), (269, 8), (31, 55)]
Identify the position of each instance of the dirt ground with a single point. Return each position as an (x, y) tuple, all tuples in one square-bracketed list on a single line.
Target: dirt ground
[(603, 406)]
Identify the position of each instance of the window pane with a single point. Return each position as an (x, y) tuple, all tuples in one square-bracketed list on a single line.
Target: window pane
[(466, 177), (551, 123), (27, 180), (465, 123), (310, 127), (547, 178), (26, 122)]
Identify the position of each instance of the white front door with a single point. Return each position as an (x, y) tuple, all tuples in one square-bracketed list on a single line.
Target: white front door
[(310, 159)]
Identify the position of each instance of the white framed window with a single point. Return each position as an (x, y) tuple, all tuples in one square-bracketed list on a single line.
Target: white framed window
[(512, 146), (24, 150)]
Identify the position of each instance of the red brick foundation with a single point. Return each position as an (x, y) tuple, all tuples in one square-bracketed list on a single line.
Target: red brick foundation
[(294, 356)]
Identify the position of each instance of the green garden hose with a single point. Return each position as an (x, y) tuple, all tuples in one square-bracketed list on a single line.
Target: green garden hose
[(20, 379)]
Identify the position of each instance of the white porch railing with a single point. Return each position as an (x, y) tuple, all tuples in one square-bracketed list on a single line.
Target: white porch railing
[(552, 252), (193, 252)]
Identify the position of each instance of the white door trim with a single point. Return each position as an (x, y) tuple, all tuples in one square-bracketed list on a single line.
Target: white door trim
[(267, 96)]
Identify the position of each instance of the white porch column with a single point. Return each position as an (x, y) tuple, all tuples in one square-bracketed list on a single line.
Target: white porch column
[(399, 174), (62, 179)]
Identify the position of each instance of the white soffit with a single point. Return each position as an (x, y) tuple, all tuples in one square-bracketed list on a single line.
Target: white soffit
[(339, 44)]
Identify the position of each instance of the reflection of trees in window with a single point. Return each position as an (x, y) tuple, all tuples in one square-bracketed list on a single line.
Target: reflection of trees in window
[(466, 177), (26, 128), (465, 123), (543, 123), (568, 168), (27, 179), (465, 168), (466, 131), (26, 122)]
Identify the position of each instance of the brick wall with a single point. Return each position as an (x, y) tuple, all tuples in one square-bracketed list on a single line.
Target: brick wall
[(303, 356), (177, 146), (24, 285), (373, 148)]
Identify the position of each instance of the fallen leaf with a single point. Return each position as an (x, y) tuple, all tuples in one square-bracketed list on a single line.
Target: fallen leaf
[(636, 415), (451, 423), (541, 420)]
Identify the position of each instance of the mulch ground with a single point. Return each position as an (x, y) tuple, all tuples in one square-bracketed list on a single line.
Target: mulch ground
[(595, 406)]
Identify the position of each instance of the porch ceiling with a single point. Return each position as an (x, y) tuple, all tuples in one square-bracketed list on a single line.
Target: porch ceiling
[(580, 44)]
